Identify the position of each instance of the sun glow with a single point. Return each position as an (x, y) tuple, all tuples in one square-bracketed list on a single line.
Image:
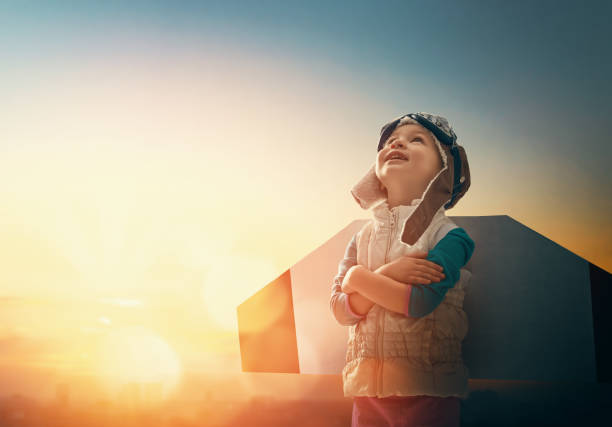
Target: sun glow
[(135, 363), (231, 280)]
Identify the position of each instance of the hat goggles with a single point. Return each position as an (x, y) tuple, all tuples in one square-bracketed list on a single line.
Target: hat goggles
[(438, 126)]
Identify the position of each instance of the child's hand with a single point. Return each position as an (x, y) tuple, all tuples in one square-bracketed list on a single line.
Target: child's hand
[(413, 269), (346, 288), (345, 282)]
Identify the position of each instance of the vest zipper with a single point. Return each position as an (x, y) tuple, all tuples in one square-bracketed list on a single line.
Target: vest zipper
[(378, 376)]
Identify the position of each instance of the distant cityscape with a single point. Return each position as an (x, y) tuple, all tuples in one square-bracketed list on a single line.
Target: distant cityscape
[(141, 404), (198, 403)]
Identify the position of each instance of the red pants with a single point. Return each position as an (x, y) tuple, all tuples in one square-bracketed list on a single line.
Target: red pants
[(406, 411)]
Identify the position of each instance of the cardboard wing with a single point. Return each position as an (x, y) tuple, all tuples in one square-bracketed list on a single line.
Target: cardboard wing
[(536, 311)]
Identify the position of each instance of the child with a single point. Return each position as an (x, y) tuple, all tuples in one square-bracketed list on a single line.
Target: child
[(400, 284)]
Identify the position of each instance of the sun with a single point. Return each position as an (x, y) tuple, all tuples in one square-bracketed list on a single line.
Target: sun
[(230, 280), (137, 367)]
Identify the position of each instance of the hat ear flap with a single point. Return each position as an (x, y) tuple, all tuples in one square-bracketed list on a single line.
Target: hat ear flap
[(436, 195), (367, 192)]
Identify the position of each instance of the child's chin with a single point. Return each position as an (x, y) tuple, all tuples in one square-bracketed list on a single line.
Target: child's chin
[(395, 170), (397, 164)]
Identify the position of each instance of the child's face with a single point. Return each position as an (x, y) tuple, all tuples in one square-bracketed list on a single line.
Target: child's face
[(423, 158)]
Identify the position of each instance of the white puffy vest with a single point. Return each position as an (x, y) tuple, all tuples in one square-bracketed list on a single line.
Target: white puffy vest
[(390, 354)]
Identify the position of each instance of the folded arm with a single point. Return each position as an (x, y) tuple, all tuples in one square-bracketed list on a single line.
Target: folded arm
[(452, 252), (348, 309)]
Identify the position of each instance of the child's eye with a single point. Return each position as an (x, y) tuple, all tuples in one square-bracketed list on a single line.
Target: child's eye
[(414, 139)]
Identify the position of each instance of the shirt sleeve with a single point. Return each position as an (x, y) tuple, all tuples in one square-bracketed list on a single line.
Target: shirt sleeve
[(339, 302), (452, 252)]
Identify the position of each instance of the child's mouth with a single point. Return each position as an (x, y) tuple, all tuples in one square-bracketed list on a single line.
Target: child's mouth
[(397, 155)]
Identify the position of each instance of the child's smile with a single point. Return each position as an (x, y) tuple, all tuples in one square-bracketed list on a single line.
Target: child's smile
[(396, 155), (408, 161)]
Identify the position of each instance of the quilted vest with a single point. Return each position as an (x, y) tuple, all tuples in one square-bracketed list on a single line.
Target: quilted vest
[(390, 354)]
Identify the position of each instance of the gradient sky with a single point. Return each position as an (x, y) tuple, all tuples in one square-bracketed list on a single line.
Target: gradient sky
[(162, 160)]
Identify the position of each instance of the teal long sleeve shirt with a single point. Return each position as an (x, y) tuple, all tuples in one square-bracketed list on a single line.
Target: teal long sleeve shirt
[(452, 252)]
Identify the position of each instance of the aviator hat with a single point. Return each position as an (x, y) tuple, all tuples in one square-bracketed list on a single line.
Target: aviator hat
[(444, 190)]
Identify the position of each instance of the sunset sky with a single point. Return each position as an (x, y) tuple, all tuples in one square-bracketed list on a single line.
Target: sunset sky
[(161, 161)]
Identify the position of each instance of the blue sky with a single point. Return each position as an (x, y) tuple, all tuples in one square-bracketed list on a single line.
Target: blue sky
[(525, 84)]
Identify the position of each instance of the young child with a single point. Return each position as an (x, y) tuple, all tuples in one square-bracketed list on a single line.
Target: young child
[(400, 286)]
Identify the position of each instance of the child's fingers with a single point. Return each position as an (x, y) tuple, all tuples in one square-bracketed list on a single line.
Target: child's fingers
[(432, 275), (423, 262), (347, 290), (429, 271), (430, 264)]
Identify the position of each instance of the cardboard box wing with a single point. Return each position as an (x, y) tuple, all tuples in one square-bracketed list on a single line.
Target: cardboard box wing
[(536, 311)]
